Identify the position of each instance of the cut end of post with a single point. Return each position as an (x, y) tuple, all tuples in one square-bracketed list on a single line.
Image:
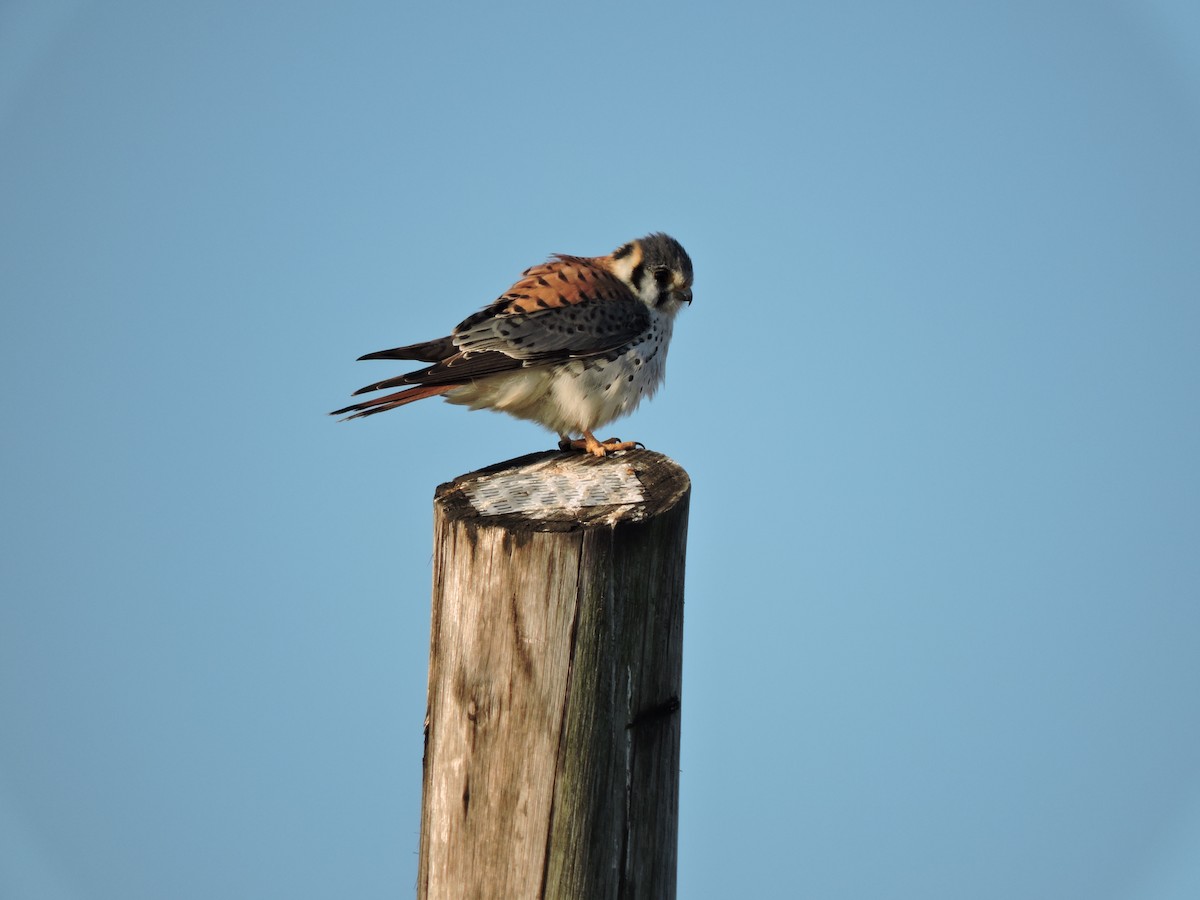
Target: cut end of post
[(559, 491)]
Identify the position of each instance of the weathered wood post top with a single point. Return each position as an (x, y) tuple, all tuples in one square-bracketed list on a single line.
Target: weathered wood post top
[(552, 734)]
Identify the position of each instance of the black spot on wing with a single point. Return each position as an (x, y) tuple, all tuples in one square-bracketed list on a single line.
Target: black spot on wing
[(491, 311)]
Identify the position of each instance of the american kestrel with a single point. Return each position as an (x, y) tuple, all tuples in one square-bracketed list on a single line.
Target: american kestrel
[(573, 345)]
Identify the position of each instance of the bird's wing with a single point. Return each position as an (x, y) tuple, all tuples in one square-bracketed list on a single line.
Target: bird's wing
[(567, 308)]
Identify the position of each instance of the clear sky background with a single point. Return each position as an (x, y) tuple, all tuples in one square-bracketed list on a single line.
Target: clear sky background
[(939, 396)]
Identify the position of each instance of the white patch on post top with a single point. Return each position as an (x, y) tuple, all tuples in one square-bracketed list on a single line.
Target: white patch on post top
[(544, 490)]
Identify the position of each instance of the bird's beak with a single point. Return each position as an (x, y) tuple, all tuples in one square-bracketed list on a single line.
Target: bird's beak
[(686, 294)]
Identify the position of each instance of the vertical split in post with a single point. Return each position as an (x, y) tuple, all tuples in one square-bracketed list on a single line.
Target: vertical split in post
[(552, 737)]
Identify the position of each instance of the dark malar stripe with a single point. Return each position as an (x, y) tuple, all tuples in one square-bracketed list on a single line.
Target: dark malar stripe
[(635, 276)]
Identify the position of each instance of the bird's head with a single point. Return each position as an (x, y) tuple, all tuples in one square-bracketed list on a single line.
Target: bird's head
[(657, 269)]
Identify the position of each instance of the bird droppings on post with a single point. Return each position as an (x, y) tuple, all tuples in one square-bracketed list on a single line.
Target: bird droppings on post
[(551, 487), (563, 491)]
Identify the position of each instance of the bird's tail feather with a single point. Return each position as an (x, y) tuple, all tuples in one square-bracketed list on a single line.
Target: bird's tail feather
[(391, 401), (429, 351), (386, 383)]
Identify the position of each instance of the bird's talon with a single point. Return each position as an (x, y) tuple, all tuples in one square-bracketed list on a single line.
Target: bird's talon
[(599, 449), (615, 445)]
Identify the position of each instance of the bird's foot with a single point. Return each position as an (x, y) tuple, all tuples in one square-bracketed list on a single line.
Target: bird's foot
[(589, 444)]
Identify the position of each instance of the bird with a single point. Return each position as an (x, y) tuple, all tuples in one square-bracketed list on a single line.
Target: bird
[(575, 343)]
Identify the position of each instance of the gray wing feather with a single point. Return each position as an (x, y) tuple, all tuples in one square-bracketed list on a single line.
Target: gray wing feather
[(582, 329)]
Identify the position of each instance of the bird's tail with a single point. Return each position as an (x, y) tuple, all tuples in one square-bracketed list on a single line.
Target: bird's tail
[(391, 401)]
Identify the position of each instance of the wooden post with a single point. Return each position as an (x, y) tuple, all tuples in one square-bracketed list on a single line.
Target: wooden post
[(552, 735)]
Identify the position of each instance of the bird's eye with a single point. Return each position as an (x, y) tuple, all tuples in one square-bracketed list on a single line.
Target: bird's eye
[(663, 277)]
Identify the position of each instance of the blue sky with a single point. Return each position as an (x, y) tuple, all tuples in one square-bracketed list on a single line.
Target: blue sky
[(937, 395)]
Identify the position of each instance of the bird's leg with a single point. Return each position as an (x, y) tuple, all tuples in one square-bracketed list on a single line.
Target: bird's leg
[(595, 447)]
